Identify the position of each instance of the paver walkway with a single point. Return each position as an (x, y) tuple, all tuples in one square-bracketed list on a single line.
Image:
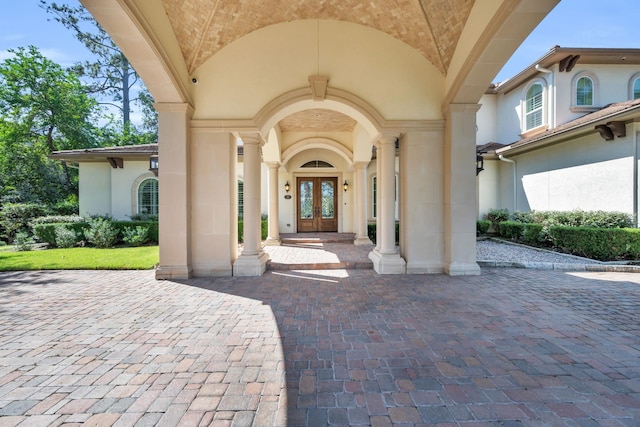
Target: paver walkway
[(344, 347)]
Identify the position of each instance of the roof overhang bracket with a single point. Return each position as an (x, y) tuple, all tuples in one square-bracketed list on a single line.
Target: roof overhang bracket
[(116, 162)]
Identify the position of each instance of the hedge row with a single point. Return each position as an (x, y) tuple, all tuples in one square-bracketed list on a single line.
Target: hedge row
[(604, 244), (46, 232), (264, 229)]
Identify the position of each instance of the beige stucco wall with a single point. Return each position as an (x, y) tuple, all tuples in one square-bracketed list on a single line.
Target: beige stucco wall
[(250, 72), (95, 188), (111, 191)]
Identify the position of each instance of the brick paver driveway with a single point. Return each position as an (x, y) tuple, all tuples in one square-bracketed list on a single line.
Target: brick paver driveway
[(511, 347)]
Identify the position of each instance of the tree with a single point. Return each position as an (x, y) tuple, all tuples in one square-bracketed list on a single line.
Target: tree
[(43, 108), (111, 73)]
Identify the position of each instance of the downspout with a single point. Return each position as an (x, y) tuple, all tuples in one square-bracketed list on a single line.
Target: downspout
[(552, 96), (515, 188)]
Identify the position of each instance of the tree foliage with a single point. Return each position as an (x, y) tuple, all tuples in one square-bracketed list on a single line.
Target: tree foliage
[(43, 108), (111, 75)]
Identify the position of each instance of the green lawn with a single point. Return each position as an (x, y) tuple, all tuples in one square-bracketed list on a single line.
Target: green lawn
[(139, 258)]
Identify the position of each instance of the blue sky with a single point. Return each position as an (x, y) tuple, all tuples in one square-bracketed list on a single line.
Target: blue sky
[(573, 23)]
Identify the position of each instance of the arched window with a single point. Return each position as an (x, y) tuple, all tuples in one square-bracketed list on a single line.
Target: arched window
[(533, 107), (584, 92), (148, 197), (636, 88)]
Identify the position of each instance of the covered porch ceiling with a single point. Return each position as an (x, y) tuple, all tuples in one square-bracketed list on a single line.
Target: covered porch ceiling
[(432, 27)]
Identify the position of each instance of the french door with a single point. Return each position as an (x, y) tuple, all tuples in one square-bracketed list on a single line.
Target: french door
[(317, 204)]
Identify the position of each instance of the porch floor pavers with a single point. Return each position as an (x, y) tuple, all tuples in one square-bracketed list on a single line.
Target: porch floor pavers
[(303, 348)]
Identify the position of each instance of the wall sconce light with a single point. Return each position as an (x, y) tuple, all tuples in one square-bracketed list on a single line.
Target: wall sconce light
[(345, 185), (287, 187), (153, 164), (479, 164)]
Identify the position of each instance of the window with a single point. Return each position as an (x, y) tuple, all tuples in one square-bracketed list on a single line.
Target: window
[(636, 88), (148, 197), (533, 107), (584, 92), (317, 164), (240, 199)]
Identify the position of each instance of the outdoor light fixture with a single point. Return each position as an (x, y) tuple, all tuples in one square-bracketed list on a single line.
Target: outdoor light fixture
[(287, 187), (479, 164), (153, 164), (345, 185)]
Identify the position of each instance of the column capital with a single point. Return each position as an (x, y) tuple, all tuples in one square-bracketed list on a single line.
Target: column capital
[(174, 107), (252, 138), (387, 138), (273, 165), (358, 165), (461, 108)]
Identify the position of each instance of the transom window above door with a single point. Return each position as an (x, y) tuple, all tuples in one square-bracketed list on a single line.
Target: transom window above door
[(317, 164)]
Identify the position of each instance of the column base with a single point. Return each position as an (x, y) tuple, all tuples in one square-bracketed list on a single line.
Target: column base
[(424, 268), (251, 265), (171, 272), (362, 241), (272, 241), (460, 269), (387, 263)]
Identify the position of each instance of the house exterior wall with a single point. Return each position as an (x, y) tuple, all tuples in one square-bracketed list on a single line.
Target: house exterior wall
[(94, 190), (586, 173), (104, 190), (579, 172)]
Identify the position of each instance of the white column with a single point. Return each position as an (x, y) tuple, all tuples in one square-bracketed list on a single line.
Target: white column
[(174, 190), (386, 259), (273, 238), (362, 237), (378, 210), (252, 261), (460, 190)]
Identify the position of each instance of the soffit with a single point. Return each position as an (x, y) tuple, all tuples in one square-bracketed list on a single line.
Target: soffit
[(317, 120), (204, 27)]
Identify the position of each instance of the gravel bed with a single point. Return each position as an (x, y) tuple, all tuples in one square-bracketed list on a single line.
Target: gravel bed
[(490, 250)]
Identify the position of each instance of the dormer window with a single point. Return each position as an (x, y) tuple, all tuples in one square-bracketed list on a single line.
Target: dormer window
[(533, 107)]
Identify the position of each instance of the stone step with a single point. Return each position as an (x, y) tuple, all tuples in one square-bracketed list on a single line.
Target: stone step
[(344, 265), (318, 251)]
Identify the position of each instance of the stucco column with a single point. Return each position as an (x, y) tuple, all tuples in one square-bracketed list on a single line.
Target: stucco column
[(362, 237), (460, 190), (378, 212), (386, 259), (252, 261), (174, 190), (273, 238)]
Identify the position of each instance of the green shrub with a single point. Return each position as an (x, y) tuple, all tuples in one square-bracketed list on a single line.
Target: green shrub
[(101, 233), (47, 232), (57, 219), (511, 229), (576, 218), (136, 236), (532, 233), (65, 237), (23, 241), (604, 244), (482, 226), (496, 216), (264, 229), (120, 226), (16, 217)]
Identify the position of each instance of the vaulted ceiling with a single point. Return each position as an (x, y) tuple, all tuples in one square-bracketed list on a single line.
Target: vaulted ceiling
[(204, 27)]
